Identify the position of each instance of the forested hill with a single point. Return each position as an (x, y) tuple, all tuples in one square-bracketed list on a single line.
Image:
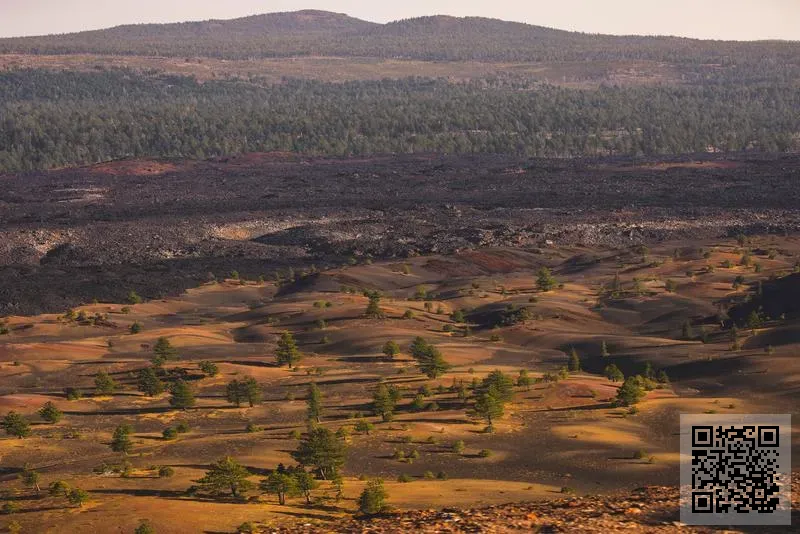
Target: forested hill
[(320, 33), (53, 119)]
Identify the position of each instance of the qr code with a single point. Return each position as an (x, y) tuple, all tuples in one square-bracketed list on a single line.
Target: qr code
[(735, 469)]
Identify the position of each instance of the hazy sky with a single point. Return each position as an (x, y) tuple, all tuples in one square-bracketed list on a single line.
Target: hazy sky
[(710, 19)]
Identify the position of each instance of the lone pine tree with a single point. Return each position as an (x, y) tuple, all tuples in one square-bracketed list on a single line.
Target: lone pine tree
[(50, 413), (226, 475), (16, 425), (287, 352), (314, 408), (182, 396)]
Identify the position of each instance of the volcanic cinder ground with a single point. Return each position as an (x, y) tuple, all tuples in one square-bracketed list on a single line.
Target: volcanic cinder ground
[(555, 435)]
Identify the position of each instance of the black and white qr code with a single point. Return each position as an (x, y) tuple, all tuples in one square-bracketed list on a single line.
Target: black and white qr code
[(738, 469)]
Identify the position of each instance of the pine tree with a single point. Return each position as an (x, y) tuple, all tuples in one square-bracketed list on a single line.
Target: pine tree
[(226, 475), (149, 383), (613, 373), (314, 404), (164, 350), (501, 383), (121, 440), (323, 450), (251, 390), (287, 352), (31, 478), (104, 384), (50, 413), (233, 392), (305, 483), (281, 484), (574, 363), (429, 358), (16, 425), (630, 392), (391, 349), (489, 406), (434, 366), (383, 403), (545, 280), (374, 306), (182, 395), (373, 499)]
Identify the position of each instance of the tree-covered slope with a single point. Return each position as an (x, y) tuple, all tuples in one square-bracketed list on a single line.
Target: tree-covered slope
[(50, 119), (432, 38)]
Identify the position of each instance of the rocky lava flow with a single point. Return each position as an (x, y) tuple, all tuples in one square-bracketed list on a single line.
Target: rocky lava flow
[(647, 509), (73, 235)]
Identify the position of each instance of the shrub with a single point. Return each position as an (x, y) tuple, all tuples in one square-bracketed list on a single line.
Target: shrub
[(404, 478), (485, 453), (169, 433), (182, 428), (59, 488), (441, 475), (165, 471), (459, 446), (364, 426), (428, 475), (209, 368), (145, 528), (9, 508), (78, 496)]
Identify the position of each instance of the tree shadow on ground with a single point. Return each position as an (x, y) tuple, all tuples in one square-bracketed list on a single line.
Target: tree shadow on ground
[(583, 407), (327, 517)]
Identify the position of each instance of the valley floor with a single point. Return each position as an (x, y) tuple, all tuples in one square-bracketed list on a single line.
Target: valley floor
[(626, 306)]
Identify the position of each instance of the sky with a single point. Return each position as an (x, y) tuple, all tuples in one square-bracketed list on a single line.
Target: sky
[(706, 19)]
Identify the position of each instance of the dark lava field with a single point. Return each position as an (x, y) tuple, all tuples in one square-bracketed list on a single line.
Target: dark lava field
[(158, 227)]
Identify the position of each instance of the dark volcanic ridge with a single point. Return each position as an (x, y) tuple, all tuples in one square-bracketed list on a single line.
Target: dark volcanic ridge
[(78, 234)]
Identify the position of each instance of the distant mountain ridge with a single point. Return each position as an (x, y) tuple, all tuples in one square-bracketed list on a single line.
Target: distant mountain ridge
[(322, 33)]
